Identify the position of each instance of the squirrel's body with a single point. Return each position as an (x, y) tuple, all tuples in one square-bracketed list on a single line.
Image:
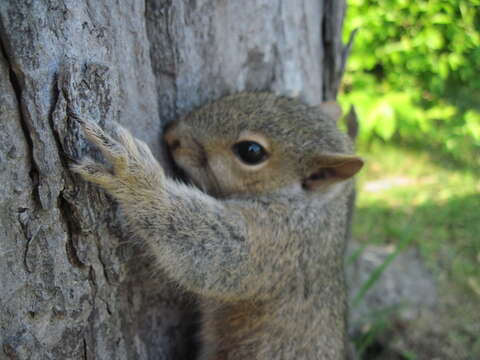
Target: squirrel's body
[(305, 312), (304, 317), (263, 243)]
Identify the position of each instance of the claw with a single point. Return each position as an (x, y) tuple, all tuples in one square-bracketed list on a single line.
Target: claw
[(74, 115), (70, 158), (111, 149), (129, 157), (126, 139), (93, 172)]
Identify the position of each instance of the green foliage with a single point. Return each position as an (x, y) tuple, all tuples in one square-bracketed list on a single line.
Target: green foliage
[(414, 73)]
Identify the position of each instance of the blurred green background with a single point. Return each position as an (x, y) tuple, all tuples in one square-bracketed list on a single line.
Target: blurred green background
[(414, 78)]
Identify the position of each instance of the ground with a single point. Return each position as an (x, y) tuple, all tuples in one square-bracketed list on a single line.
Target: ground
[(410, 198)]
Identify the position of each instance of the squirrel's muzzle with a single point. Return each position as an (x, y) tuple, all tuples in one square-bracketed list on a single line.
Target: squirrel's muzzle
[(183, 147)]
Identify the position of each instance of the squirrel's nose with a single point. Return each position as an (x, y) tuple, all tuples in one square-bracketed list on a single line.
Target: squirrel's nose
[(173, 144), (181, 144), (171, 139)]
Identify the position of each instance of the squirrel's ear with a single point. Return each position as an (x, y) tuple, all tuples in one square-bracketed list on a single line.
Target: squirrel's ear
[(331, 168), (332, 109)]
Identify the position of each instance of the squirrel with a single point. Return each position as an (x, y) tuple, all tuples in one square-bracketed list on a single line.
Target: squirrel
[(258, 233)]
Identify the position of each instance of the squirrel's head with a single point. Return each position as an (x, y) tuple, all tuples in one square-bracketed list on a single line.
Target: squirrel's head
[(253, 143)]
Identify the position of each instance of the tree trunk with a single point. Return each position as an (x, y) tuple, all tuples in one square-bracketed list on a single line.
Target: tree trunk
[(72, 286)]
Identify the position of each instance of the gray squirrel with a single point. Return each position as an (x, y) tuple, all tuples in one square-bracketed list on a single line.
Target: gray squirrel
[(259, 234)]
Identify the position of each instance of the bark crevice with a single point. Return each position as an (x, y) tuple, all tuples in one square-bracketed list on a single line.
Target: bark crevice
[(71, 225), (15, 83), (334, 61)]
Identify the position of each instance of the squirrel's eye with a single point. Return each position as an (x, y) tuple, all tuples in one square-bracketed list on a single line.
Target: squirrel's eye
[(250, 152)]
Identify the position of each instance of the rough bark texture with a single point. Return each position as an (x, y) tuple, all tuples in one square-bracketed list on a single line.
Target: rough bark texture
[(71, 286)]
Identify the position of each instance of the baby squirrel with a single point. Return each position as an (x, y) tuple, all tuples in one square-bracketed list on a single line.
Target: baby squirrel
[(259, 234)]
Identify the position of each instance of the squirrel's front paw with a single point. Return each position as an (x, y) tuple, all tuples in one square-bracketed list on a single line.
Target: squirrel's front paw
[(133, 164)]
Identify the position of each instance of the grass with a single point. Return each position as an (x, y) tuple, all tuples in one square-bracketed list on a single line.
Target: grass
[(401, 189), (437, 204)]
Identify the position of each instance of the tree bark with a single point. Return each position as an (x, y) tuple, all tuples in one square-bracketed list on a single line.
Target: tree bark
[(72, 285)]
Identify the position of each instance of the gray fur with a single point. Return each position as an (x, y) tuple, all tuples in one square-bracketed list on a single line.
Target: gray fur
[(263, 250)]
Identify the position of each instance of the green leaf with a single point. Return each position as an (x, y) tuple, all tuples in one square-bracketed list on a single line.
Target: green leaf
[(384, 119)]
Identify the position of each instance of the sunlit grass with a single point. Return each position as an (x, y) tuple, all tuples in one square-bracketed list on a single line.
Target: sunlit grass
[(410, 194), (402, 189)]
